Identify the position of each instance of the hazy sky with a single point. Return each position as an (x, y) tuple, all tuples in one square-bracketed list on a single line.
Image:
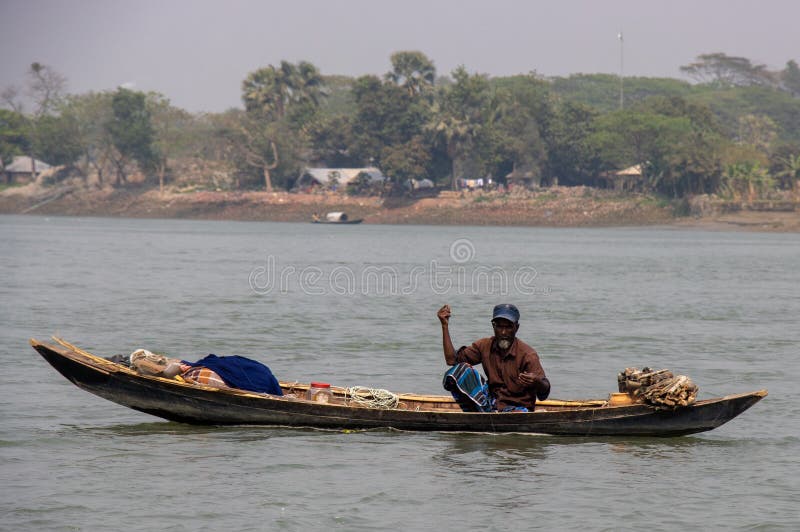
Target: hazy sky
[(197, 52)]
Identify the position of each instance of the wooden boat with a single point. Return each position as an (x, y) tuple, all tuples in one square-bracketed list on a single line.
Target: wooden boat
[(336, 218), (190, 403), (346, 222)]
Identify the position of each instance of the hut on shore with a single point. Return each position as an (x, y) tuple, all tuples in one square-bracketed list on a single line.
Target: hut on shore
[(337, 179), (24, 169), (630, 179)]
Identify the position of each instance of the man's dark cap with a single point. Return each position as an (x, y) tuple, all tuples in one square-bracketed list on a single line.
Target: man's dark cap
[(507, 312)]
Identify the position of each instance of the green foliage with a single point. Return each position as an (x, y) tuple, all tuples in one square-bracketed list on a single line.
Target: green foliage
[(700, 116), (87, 116), (58, 139), (692, 165), (387, 115), (741, 125), (571, 154), (601, 91), (785, 166), (790, 78), (468, 97), (131, 130), (720, 70), (530, 93), (521, 115), (458, 117), (339, 98), (624, 138), (264, 152), (271, 90), (409, 160), (745, 89), (730, 104), (746, 180), (173, 133), (13, 137), (676, 142), (332, 140), (758, 131), (413, 71), (279, 102)]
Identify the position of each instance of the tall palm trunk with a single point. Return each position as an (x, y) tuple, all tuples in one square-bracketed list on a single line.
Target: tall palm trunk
[(267, 179), (268, 167), (162, 170)]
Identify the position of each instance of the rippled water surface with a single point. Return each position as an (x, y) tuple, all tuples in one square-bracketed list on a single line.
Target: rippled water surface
[(355, 305)]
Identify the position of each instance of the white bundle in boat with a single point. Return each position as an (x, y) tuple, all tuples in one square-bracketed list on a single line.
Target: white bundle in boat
[(149, 363)]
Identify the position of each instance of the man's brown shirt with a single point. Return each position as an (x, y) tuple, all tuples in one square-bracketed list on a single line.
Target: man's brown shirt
[(503, 371)]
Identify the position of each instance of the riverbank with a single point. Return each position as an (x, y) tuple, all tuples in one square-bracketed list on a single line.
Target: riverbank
[(552, 207)]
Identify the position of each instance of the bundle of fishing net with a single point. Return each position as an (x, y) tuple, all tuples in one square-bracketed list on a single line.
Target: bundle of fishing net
[(658, 387)]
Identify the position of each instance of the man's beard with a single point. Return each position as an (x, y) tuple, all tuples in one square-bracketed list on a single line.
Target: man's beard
[(504, 343)]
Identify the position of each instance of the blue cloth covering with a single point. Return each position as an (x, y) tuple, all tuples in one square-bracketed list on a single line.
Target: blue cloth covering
[(469, 388), (241, 372)]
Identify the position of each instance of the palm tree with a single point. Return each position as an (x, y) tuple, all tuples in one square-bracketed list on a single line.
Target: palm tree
[(259, 91), (286, 88), (268, 93), (459, 116), (413, 71), (455, 134), (309, 85), (271, 90)]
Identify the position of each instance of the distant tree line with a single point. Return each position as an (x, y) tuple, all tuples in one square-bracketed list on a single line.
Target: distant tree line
[(735, 132)]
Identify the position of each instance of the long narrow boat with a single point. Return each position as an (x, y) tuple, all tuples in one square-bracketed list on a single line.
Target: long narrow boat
[(197, 404), (341, 222)]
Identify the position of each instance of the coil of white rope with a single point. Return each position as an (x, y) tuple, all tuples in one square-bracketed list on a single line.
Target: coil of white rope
[(372, 397)]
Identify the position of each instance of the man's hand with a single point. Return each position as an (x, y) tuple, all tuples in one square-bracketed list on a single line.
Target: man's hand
[(447, 343), (540, 385), (528, 379), (444, 315)]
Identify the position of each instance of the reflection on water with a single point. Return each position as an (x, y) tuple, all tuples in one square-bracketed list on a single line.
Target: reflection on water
[(669, 447), (506, 452), (488, 456)]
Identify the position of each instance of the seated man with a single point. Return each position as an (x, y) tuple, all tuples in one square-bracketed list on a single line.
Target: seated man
[(515, 375)]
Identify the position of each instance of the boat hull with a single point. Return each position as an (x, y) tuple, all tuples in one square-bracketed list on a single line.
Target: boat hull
[(175, 401), (344, 222)]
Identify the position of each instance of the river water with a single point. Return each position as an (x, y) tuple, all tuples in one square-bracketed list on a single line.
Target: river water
[(356, 305)]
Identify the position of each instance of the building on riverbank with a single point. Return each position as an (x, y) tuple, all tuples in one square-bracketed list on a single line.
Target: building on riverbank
[(24, 169), (337, 179)]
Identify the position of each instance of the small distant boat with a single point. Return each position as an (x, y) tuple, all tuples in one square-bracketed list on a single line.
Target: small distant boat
[(199, 404), (335, 218)]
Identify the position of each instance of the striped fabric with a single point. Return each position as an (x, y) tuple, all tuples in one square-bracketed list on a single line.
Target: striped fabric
[(469, 388), (201, 375)]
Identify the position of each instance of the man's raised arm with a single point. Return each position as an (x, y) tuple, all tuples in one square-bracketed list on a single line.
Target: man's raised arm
[(447, 343)]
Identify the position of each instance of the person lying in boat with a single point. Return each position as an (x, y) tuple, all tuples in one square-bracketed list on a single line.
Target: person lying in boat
[(515, 375)]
